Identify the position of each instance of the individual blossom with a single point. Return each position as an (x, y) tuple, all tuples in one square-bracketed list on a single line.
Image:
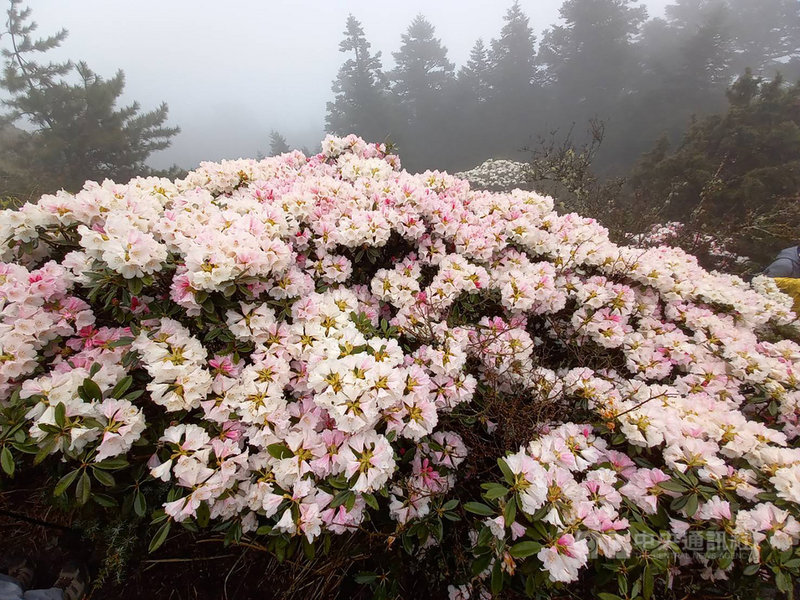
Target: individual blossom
[(563, 559)]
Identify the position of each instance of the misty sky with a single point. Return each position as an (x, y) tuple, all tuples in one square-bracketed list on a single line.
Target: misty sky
[(232, 71)]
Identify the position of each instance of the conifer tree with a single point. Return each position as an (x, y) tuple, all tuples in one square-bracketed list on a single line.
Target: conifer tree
[(591, 67), (474, 76), (590, 59), (70, 126), (277, 144), (513, 55), (421, 89), (766, 37), (516, 111), (360, 104), (422, 69)]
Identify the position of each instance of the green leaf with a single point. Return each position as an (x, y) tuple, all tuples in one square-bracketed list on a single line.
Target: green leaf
[(50, 443), (750, 570), (496, 491), (131, 396), (484, 537), (525, 549), (123, 341), (135, 286), (92, 390), (408, 543), (121, 387), (637, 587), (480, 564), (308, 549), (139, 504), (339, 482), (784, 581), (450, 504), (622, 583), (365, 577), (326, 544), (203, 514), (106, 479), (7, 461), (370, 499), (507, 473), (84, 488), (340, 498), (437, 529), (129, 359), (105, 500), (279, 451), (160, 536), (673, 485), (49, 428), (65, 482), (478, 508), (691, 505), (510, 511), (679, 502), (497, 577), (158, 517), (61, 414), (648, 582), (112, 464), (233, 535)]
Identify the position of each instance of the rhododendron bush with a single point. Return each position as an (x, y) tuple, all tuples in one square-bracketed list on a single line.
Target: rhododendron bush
[(302, 349), (498, 174)]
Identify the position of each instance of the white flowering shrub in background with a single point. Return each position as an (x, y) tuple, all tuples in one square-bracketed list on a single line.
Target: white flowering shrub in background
[(498, 174), (299, 349)]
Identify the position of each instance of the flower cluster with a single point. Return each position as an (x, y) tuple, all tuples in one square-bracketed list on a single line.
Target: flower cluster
[(545, 473)]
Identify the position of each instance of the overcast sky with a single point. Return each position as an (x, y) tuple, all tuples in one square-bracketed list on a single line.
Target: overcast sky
[(231, 71)]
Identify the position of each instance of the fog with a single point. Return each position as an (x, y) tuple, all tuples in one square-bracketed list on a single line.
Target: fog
[(156, 87), (231, 73)]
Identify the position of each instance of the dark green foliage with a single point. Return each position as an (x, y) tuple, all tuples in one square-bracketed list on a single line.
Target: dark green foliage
[(739, 171)]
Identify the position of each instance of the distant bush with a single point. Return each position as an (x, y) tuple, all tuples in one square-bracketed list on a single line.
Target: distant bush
[(498, 175), (475, 390)]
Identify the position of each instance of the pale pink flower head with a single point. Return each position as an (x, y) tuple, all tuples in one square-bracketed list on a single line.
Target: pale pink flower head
[(564, 558)]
